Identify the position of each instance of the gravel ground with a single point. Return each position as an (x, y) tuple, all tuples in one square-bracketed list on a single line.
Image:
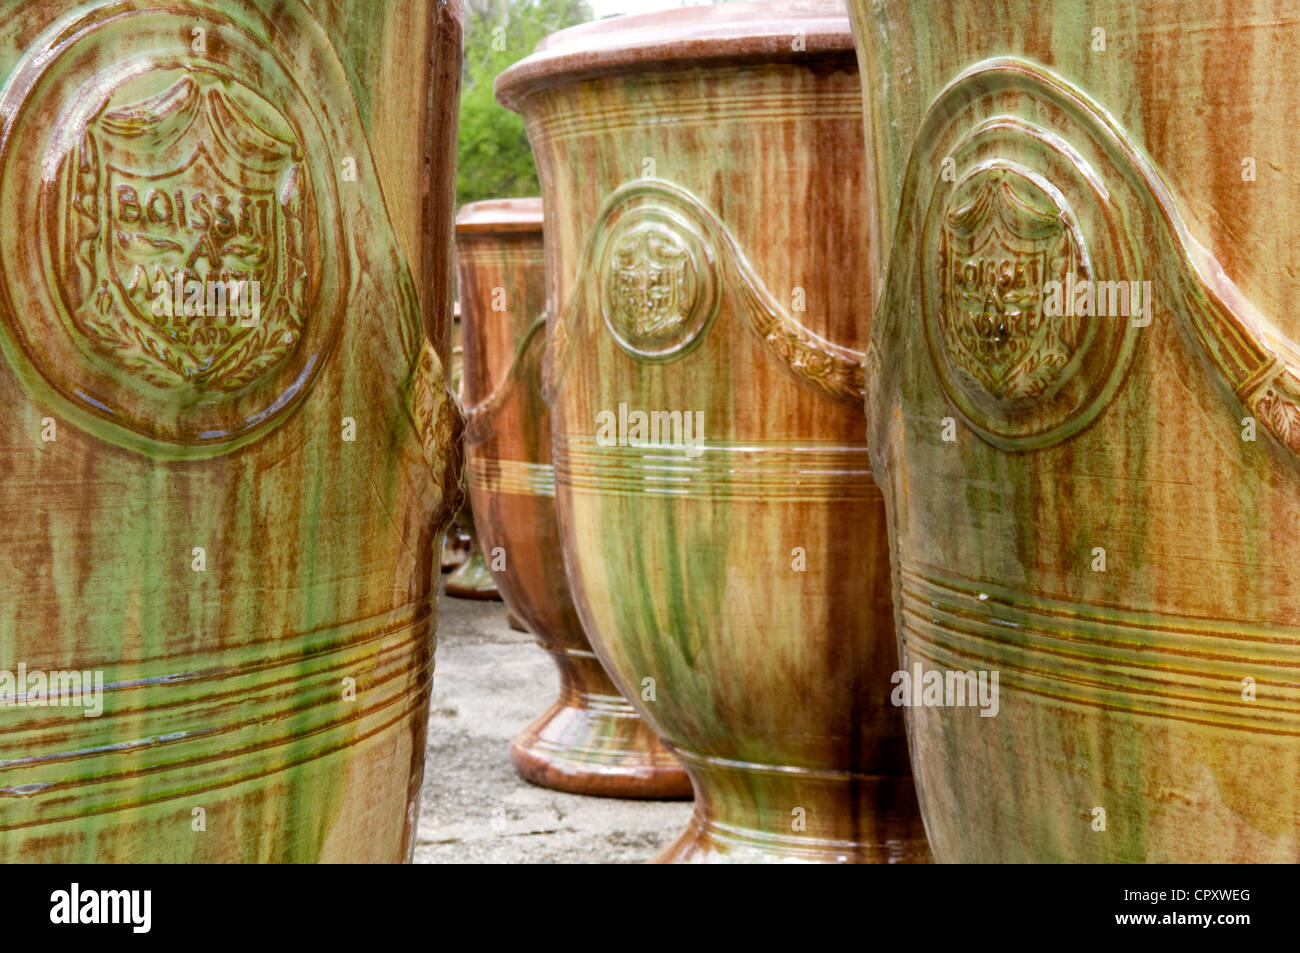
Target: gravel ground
[(490, 682)]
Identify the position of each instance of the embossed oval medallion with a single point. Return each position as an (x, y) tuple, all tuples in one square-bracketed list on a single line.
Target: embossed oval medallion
[(173, 277), (658, 288), (1003, 252)]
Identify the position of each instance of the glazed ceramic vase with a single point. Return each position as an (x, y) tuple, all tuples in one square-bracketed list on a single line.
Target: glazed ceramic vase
[(229, 448), (1085, 414), (590, 740), (462, 551), (723, 539), (472, 578)]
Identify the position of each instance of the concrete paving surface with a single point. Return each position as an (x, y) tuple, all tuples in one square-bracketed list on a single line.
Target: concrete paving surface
[(490, 682)]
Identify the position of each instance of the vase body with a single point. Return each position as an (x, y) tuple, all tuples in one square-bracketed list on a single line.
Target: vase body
[(731, 576), (590, 740), (1083, 413), (224, 518)]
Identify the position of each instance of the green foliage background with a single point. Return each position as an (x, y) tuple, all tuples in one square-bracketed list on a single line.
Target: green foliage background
[(494, 158)]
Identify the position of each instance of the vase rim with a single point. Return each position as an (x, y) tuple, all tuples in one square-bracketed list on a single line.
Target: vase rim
[(714, 33), (500, 215)]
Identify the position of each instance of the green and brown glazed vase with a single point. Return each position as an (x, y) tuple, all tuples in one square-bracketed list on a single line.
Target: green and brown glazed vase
[(229, 449), (723, 539), (471, 578), (590, 740), (1085, 415)]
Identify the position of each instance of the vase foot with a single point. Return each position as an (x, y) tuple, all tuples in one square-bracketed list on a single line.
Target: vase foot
[(751, 813), (593, 742), (473, 580), (455, 549)]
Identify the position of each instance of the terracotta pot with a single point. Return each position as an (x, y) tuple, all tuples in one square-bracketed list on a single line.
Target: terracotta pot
[(1098, 520), (590, 741), (225, 520), (694, 165)]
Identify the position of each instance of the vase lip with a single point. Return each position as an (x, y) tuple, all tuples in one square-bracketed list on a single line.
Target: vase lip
[(713, 33), (500, 215)]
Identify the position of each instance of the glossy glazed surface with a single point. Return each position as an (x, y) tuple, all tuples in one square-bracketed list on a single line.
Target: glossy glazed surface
[(228, 525), (739, 594), (590, 741), (470, 578), (1105, 522)]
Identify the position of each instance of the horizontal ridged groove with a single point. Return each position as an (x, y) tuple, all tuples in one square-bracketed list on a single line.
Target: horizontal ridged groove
[(511, 476), (471, 254), (212, 725), (1147, 665), (751, 108), (750, 470)]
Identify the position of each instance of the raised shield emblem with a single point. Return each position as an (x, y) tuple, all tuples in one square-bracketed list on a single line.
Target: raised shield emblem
[(186, 235), (649, 284), (1000, 246)]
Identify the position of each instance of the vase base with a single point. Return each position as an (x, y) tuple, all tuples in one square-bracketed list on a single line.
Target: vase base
[(605, 751), (469, 592), (706, 842), (753, 813), (455, 549), (473, 580), (453, 559)]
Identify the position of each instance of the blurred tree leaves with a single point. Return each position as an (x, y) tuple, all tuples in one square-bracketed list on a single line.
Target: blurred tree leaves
[(494, 158)]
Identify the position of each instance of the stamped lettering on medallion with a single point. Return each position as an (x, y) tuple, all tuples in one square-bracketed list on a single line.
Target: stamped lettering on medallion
[(182, 239), (1003, 240)]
